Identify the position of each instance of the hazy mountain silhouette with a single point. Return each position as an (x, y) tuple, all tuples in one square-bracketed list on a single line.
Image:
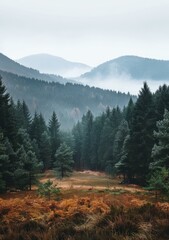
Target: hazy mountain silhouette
[(9, 65), (132, 67), (54, 65)]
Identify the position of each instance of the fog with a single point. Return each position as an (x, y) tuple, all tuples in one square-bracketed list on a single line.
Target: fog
[(123, 84)]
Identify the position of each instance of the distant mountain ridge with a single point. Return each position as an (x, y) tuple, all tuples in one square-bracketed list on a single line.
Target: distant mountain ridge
[(47, 63), (8, 65), (69, 101), (133, 67)]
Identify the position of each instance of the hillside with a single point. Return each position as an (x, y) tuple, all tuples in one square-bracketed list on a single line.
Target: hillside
[(131, 66), (54, 65), (70, 101), (8, 65)]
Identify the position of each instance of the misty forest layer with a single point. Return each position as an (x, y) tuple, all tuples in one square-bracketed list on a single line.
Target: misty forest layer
[(131, 142)]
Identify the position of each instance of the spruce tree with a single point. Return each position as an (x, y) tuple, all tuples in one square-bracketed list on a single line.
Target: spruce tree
[(45, 151), (141, 135), (4, 165), (87, 122), (54, 132), (160, 151), (63, 164), (77, 134), (120, 137)]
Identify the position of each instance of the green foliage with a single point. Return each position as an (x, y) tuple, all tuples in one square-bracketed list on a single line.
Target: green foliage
[(160, 151), (45, 151), (69, 101), (48, 190), (4, 164), (159, 181), (141, 135), (54, 133), (63, 164)]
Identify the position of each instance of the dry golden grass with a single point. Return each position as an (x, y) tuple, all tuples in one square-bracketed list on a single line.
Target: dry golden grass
[(99, 210)]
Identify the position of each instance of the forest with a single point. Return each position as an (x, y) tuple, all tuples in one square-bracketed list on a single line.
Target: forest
[(128, 145), (69, 101)]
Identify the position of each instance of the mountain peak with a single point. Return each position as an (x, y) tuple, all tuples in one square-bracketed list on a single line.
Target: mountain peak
[(134, 67), (54, 65)]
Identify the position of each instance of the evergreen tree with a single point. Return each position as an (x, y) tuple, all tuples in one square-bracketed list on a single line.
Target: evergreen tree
[(7, 119), (123, 165), (95, 141), (63, 164), (141, 135), (54, 132), (27, 168), (4, 107), (77, 134), (129, 112), (45, 151), (120, 137), (87, 122), (4, 164), (160, 151), (161, 99), (23, 115)]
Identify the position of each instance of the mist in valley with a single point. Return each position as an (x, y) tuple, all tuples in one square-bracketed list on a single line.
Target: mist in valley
[(123, 83)]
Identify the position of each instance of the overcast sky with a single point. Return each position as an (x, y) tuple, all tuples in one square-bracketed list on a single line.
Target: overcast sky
[(88, 31)]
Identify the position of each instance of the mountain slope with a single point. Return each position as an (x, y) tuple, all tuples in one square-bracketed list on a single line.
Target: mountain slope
[(133, 67), (55, 65), (70, 101), (8, 65)]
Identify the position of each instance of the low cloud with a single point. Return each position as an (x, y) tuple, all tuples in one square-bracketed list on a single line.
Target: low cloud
[(123, 83)]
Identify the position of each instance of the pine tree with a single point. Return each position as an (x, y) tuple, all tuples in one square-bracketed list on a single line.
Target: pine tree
[(45, 151), (87, 122), (160, 151), (141, 135), (123, 165), (95, 142), (54, 132), (120, 137), (63, 164), (7, 120), (129, 112), (4, 107), (27, 168), (23, 115), (77, 134), (161, 99), (4, 164)]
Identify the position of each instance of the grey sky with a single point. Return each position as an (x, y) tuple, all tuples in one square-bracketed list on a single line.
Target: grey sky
[(89, 31)]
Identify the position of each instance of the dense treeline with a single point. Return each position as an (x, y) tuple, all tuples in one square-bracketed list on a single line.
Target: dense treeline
[(132, 142), (28, 146), (69, 101)]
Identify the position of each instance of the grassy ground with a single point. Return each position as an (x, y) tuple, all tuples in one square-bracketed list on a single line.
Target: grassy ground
[(91, 205)]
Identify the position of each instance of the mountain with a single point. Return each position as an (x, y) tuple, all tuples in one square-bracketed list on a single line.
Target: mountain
[(69, 101), (131, 67), (54, 65), (8, 65)]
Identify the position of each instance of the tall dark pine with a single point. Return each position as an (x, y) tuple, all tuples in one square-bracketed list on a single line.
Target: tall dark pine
[(77, 134), (45, 151), (7, 118), (63, 164), (141, 135), (4, 164), (160, 151), (87, 122), (38, 126), (4, 106), (129, 112), (54, 126), (161, 99)]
